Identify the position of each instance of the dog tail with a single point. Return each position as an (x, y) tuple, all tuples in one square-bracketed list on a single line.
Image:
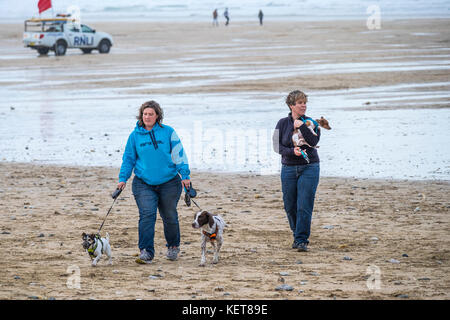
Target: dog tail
[(107, 236)]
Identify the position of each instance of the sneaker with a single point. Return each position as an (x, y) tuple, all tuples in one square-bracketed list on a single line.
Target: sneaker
[(295, 245), (302, 247), (145, 257), (172, 253)]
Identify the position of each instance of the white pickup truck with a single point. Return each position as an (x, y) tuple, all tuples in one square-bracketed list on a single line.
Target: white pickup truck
[(58, 34)]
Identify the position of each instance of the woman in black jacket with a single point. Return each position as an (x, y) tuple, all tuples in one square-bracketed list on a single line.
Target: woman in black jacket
[(300, 168)]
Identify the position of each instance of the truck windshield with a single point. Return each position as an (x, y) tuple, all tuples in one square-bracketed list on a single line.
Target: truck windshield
[(85, 28)]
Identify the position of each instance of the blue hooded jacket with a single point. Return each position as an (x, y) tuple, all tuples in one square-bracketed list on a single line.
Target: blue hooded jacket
[(157, 156)]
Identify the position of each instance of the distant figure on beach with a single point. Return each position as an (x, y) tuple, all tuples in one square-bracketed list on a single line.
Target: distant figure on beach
[(260, 16), (226, 15), (161, 169), (215, 15), (300, 169)]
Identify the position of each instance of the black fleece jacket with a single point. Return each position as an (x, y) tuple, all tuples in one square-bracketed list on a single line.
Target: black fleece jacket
[(282, 142)]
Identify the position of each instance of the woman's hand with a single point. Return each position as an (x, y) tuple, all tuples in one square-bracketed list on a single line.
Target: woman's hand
[(186, 183), (121, 185), (297, 151), (297, 123)]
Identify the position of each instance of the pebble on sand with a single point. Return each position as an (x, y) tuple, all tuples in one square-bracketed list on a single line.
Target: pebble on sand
[(284, 287)]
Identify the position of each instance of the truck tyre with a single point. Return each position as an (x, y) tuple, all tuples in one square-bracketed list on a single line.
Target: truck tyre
[(43, 50), (60, 48), (104, 46)]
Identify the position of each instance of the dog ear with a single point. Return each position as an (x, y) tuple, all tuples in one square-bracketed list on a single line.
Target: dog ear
[(83, 235), (210, 220)]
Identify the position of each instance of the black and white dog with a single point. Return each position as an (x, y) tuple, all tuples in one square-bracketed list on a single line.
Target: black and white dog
[(96, 246), (212, 227)]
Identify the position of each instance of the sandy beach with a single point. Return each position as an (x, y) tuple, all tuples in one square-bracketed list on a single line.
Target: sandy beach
[(371, 238)]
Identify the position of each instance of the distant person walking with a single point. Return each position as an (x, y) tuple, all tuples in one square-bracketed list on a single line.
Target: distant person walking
[(260, 16), (226, 15), (215, 15)]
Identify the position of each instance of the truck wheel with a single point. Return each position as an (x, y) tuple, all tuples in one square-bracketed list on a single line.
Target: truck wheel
[(60, 48), (43, 50), (104, 46), (86, 50)]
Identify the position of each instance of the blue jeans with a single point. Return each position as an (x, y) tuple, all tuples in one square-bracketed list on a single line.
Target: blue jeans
[(299, 185), (149, 198)]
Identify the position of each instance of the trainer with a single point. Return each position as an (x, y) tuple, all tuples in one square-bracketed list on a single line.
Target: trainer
[(300, 168), (161, 168)]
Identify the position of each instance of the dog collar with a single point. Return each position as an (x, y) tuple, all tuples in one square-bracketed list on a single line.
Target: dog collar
[(91, 251), (211, 236)]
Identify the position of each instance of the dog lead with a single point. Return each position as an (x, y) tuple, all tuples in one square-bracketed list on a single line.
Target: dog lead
[(190, 193), (115, 195)]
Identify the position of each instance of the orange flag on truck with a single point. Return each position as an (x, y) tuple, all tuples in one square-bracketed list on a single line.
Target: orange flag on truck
[(44, 5)]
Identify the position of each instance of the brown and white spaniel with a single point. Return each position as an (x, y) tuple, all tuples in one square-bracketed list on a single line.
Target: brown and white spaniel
[(212, 227)]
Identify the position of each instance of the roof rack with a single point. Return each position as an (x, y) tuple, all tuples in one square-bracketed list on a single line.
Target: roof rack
[(50, 19)]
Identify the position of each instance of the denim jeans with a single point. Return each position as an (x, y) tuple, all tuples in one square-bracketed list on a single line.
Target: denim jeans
[(299, 185), (149, 198)]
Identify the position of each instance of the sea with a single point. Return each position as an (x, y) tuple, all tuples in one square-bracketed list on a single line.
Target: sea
[(201, 10)]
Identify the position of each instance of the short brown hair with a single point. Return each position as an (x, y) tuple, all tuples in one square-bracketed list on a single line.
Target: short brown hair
[(295, 96), (155, 106)]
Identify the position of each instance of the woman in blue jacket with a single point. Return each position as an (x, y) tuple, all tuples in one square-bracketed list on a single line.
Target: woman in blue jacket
[(300, 168), (161, 169)]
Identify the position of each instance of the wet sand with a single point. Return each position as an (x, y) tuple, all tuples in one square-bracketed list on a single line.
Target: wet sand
[(171, 58), (371, 239), (363, 81)]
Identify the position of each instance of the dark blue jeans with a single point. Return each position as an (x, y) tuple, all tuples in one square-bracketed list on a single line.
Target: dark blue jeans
[(299, 185), (149, 198)]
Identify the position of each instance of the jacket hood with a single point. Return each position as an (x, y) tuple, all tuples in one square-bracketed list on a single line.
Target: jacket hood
[(142, 130)]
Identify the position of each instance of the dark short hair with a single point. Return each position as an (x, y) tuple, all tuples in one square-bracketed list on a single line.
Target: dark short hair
[(295, 96), (155, 106)]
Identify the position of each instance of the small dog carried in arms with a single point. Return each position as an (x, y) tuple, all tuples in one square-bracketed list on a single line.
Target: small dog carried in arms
[(96, 246), (297, 137), (212, 227)]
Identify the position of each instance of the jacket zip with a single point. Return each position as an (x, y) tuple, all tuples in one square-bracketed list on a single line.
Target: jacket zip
[(153, 138)]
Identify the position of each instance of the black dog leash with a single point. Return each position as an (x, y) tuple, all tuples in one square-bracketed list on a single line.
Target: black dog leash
[(190, 193), (196, 205), (115, 195)]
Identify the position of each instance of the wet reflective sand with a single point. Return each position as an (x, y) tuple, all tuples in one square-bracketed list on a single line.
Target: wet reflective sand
[(385, 92)]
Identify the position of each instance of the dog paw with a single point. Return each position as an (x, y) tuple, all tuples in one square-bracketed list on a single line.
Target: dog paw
[(202, 264)]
